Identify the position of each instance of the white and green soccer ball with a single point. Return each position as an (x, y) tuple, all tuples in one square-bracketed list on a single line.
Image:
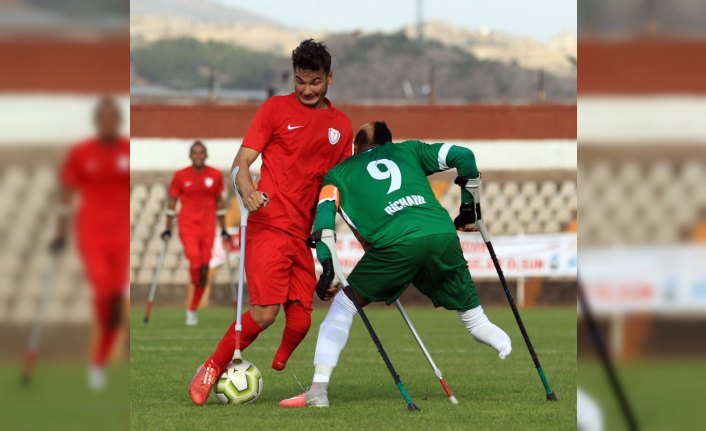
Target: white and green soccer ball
[(240, 383)]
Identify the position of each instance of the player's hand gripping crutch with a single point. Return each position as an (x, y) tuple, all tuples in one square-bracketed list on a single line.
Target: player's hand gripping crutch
[(244, 213), (437, 371), (157, 270), (328, 238), (36, 334), (470, 214)]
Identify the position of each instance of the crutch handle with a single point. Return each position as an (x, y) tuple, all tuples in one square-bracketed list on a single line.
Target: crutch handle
[(480, 224)]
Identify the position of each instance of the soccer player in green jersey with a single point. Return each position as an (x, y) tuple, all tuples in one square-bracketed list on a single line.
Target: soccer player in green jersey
[(384, 195)]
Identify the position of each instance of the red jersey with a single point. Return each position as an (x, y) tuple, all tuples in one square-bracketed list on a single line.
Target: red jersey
[(100, 172), (299, 145), (198, 192)]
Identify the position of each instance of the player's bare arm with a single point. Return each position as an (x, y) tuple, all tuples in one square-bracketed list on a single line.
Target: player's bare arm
[(221, 216), (252, 198), (66, 195), (170, 216)]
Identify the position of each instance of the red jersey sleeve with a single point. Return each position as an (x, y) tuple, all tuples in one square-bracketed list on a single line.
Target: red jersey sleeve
[(70, 174), (261, 129), (175, 186)]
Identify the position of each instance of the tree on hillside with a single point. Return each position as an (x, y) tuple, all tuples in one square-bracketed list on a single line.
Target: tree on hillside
[(186, 62)]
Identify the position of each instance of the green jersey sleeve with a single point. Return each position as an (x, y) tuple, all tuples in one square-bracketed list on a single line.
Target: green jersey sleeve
[(441, 157), (329, 202)]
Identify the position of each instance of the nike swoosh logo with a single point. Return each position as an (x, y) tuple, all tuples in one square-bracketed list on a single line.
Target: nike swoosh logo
[(290, 127)]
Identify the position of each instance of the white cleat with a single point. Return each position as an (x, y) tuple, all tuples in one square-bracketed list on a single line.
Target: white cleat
[(191, 319), (97, 378)]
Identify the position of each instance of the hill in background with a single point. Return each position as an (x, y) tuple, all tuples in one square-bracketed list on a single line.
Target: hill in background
[(180, 44), (370, 67)]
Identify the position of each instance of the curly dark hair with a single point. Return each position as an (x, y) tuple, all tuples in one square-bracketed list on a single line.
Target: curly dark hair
[(311, 55)]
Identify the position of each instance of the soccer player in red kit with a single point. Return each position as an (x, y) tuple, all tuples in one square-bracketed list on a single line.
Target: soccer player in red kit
[(200, 189), (300, 136), (98, 170)]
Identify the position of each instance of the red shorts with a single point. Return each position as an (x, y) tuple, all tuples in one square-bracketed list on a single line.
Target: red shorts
[(106, 264), (279, 267), (197, 248)]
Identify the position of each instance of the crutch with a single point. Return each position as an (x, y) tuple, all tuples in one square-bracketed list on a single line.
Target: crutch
[(436, 369), (233, 293), (153, 288), (244, 213), (328, 238), (551, 395), (36, 334), (473, 186)]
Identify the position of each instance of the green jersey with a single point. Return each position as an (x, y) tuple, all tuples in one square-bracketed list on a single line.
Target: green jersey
[(384, 193)]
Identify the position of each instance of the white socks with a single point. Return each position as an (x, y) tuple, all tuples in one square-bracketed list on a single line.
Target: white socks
[(333, 335), (97, 378), (322, 373), (589, 416), (484, 331)]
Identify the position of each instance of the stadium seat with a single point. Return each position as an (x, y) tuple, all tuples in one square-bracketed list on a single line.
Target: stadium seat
[(171, 261), (137, 246), (80, 311), (181, 276), (533, 227), (144, 276), (517, 203), (142, 232), (134, 260), (139, 193), (222, 276), (551, 227), (528, 189), (510, 188), (166, 276), (491, 189), (568, 188), (548, 189), (149, 261), (536, 202), (154, 245)]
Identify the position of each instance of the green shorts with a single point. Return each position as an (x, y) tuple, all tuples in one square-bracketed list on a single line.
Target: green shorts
[(434, 264)]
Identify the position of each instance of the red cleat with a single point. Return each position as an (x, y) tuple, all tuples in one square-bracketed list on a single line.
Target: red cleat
[(314, 400), (278, 365), (296, 401), (202, 383)]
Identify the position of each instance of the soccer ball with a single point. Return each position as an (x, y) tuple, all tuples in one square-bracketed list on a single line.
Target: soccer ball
[(240, 383)]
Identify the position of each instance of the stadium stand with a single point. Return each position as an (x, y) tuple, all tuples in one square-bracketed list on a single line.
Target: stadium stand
[(525, 206), (26, 202)]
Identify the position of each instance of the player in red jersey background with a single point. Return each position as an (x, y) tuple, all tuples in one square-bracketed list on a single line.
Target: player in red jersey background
[(300, 136), (200, 189), (98, 171)]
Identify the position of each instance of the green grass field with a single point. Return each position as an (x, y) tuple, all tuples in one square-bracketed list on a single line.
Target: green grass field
[(493, 394), (664, 394), (58, 398)]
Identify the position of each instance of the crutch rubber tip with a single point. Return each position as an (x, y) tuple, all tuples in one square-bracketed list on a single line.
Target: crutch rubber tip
[(146, 319), (453, 400), (25, 380), (552, 397), (412, 407)]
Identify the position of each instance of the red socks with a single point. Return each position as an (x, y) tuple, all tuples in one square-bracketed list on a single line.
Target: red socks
[(224, 352), (199, 287), (108, 314), (298, 321), (106, 338)]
